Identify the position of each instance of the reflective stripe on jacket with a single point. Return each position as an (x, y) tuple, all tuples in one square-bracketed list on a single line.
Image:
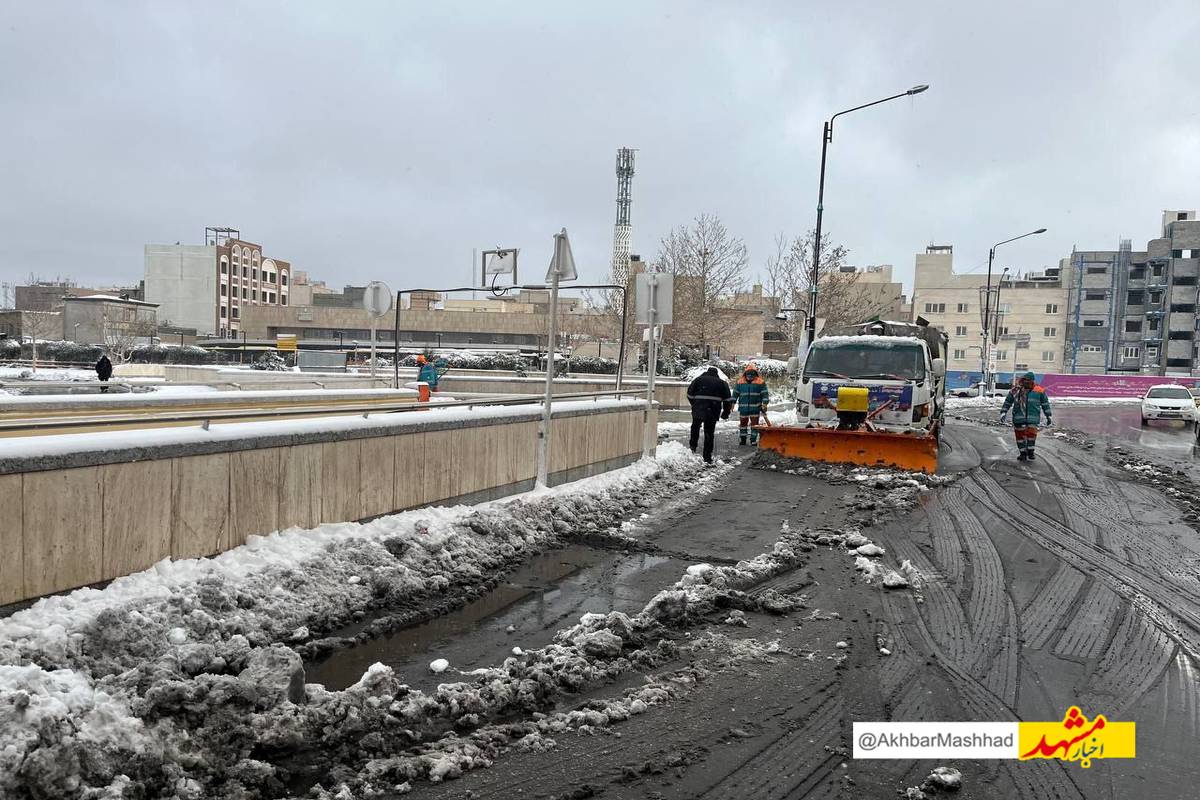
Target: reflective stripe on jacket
[(1027, 407), (752, 397)]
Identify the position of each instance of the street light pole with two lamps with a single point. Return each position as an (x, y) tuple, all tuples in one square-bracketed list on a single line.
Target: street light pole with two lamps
[(988, 375)]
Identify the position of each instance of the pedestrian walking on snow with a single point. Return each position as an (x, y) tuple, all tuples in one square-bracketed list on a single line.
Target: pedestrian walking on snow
[(1028, 402), (710, 398), (752, 397), (104, 371)]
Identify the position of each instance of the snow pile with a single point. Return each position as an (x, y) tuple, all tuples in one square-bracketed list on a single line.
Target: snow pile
[(179, 676), (866, 558)]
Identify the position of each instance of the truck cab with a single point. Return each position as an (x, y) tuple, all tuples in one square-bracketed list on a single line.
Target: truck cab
[(888, 374)]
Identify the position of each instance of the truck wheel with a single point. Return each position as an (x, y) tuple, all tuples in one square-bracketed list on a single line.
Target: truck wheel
[(1144, 422)]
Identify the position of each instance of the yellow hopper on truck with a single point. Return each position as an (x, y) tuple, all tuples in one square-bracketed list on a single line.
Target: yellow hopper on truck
[(870, 394)]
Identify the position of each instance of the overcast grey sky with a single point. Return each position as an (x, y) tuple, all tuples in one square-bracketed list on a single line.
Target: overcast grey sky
[(386, 140)]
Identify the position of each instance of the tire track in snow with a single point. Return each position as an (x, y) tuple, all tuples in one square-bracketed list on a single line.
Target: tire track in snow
[(1047, 613), (1145, 591), (796, 764)]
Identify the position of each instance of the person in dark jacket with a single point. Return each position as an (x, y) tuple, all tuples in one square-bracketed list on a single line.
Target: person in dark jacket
[(1028, 402), (710, 398), (752, 397), (103, 371)]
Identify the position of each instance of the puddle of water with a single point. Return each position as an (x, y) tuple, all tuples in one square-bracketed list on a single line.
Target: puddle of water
[(548, 591)]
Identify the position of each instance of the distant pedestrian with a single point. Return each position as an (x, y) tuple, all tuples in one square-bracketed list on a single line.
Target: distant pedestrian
[(104, 371), (1028, 402), (430, 373), (752, 397), (710, 398)]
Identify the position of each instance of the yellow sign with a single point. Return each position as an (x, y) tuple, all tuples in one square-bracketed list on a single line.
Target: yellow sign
[(285, 341), (1076, 738)]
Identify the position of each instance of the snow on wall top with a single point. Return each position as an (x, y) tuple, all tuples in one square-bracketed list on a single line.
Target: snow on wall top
[(106, 447), (868, 338)]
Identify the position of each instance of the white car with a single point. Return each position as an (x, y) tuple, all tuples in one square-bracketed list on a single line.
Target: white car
[(1169, 401)]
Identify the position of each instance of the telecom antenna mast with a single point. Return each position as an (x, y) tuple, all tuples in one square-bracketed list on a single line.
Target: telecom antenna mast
[(621, 233)]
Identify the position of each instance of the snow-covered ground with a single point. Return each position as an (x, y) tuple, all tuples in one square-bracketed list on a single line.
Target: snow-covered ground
[(165, 682), (47, 373)]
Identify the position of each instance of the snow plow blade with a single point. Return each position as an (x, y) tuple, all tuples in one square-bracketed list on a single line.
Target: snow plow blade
[(867, 448)]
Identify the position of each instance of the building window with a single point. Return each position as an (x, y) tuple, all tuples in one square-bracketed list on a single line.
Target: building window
[(1093, 323), (1176, 254), (283, 278), (958, 354), (1019, 367), (1047, 356), (255, 256), (1180, 335), (225, 291), (1156, 297), (1002, 330), (1179, 362), (1091, 348), (1131, 352), (245, 293), (283, 301), (224, 266), (1135, 298), (960, 330), (1185, 280), (1022, 344), (235, 312), (1097, 270), (1137, 274), (254, 273), (1156, 270), (1094, 295), (1133, 326), (245, 271), (1193, 253), (1151, 352), (254, 295), (223, 317), (1183, 308), (1153, 325), (1049, 333), (1002, 355), (1051, 308), (962, 308)]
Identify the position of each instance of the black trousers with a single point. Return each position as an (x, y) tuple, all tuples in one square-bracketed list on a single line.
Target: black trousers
[(710, 431)]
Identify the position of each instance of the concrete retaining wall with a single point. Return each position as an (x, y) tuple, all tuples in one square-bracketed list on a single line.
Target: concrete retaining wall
[(75, 519)]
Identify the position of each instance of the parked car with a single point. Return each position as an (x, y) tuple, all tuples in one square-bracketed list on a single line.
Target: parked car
[(973, 391), (1169, 401)]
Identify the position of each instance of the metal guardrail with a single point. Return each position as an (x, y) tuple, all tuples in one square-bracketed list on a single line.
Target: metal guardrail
[(207, 416), (151, 385)]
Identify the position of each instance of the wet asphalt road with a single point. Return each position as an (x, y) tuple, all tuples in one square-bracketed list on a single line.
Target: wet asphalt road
[(1055, 583)]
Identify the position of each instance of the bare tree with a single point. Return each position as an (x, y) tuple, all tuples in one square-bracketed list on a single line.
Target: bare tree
[(709, 265), (841, 299), (41, 325), (124, 329)]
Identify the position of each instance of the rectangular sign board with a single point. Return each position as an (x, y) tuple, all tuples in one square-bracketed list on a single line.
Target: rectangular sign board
[(664, 296)]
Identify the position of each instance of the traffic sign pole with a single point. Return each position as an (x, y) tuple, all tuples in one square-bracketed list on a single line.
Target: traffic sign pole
[(562, 267)]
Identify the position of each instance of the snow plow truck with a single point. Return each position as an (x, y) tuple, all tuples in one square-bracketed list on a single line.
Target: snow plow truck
[(872, 394)]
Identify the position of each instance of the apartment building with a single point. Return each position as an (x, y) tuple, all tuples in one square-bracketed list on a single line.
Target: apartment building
[(1030, 321), (1136, 310), (208, 287)]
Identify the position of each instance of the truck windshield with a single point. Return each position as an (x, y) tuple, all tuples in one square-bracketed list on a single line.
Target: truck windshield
[(888, 362)]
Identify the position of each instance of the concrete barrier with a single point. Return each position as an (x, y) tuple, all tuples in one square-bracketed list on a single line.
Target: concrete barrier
[(74, 517)]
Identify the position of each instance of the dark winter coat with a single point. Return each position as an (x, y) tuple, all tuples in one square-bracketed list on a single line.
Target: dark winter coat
[(1027, 406), (104, 368), (752, 395), (709, 396)]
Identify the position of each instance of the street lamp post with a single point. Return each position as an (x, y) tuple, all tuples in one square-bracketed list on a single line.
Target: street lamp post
[(810, 323), (988, 377)]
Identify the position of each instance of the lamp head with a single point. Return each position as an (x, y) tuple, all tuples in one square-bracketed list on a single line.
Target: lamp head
[(917, 89), (1040, 230)]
